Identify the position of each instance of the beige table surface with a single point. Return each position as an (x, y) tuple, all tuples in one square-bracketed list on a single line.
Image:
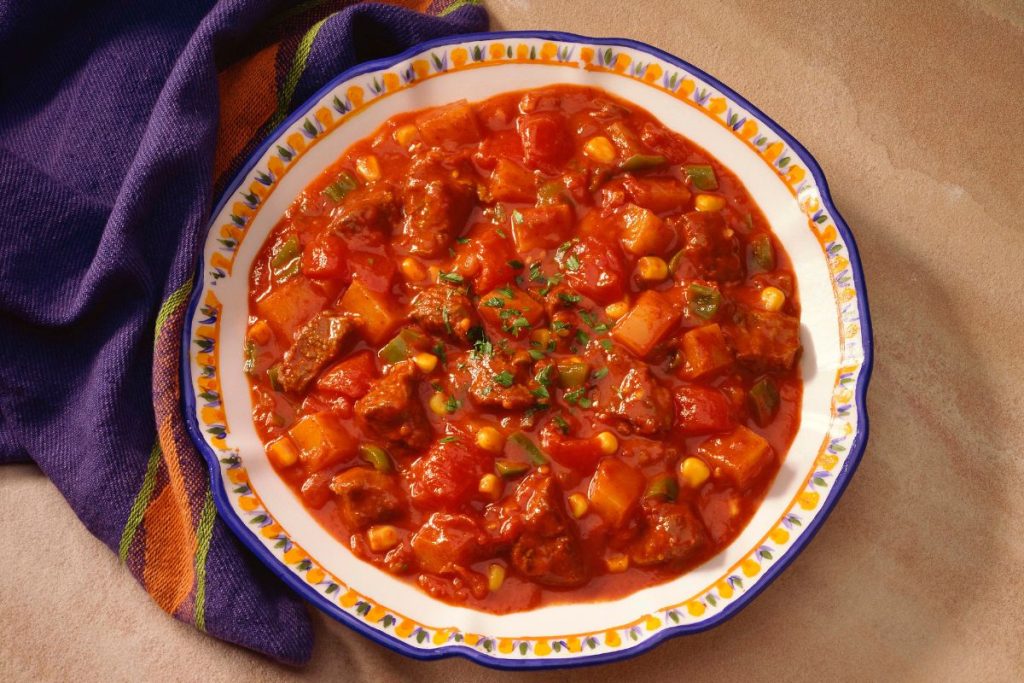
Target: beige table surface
[(915, 113)]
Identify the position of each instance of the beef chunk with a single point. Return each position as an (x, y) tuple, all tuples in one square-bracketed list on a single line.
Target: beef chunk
[(669, 533), (632, 395), (765, 339), (447, 542), (435, 207), (392, 410), (548, 550), (444, 310), (710, 247), (497, 382), (317, 343), (372, 209), (366, 496)]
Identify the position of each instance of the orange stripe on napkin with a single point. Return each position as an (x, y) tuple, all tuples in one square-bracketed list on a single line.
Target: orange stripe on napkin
[(248, 97)]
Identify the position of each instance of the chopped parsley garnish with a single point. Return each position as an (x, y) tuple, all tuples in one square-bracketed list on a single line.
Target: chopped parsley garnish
[(516, 264), (449, 439), (535, 273), (578, 397), (582, 337), (494, 302), (588, 318), (563, 426), (483, 347), (535, 354), (518, 324), (449, 277), (504, 378), (517, 217), (600, 373), (501, 233), (541, 392), (569, 298), (452, 404), (462, 240), (560, 325), (572, 263), (606, 344), (440, 353), (544, 376), (507, 292)]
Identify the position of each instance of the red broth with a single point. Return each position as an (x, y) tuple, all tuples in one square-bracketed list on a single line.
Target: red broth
[(529, 350)]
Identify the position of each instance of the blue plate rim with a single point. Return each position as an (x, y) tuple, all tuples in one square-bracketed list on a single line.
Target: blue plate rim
[(293, 581)]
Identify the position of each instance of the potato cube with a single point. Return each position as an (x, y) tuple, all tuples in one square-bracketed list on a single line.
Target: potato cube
[(646, 324), (615, 490), (511, 310), (451, 125), (376, 310), (740, 456), (643, 233), (510, 182), (322, 442), (289, 305), (706, 351)]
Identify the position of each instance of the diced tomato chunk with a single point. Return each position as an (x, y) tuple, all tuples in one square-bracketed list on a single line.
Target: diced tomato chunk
[(547, 143), (598, 270), (325, 257), (494, 254), (447, 542), (510, 310), (504, 144), (578, 453), (376, 271), (351, 377), (448, 475), (541, 227), (702, 410)]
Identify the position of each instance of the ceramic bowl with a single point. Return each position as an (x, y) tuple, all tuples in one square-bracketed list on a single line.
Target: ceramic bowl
[(781, 176)]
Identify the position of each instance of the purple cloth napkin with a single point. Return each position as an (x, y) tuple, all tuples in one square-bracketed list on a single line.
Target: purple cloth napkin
[(109, 119)]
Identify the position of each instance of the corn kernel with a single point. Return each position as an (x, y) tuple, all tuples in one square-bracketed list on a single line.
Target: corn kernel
[(578, 505), (542, 336), (283, 452), (600, 149), (438, 404), (495, 577), (368, 167), (617, 309), (693, 472), (382, 537), (617, 563), (404, 135), (490, 485), (607, 442), (772, 299), (652, 268), (260, 332), (412, 270), (709, 202), (490, 439), (425, 362)]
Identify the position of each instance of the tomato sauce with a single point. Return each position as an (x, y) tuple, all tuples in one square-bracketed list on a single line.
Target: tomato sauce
[(528, 350)]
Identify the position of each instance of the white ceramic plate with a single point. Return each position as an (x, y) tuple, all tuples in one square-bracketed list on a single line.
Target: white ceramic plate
[(781, 176)]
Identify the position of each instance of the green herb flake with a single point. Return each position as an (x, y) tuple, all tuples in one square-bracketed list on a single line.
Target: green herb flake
[(563, 426), (572, 263), (516, 264), (505, 378), (600, 373), (569, 298), (452, 404), (494, 302), (449, 439), (450, 277)]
